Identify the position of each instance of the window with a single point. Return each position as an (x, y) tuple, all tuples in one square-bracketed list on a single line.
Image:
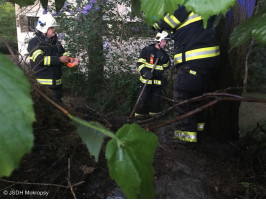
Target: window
[(32, 23)]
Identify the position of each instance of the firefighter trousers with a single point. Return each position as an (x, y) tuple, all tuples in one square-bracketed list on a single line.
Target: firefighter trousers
[(149, 102), (190, 82)]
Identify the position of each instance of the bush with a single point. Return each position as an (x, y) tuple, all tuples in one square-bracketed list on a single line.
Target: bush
[(257, 63)]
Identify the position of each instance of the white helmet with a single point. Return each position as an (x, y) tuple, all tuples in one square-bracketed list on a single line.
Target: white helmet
[(45, 22), (160, 36)]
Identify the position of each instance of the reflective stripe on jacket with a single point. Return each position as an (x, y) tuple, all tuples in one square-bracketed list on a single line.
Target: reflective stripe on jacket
[(192, 41), (146, 62), (45, 59)]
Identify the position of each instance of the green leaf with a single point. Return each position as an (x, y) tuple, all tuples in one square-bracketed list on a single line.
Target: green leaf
[(24, 2), (130, 164), (44, 4), (59, 4), (208, 8), (254, 26), (155, 10), (16, 116), (92, 134), (135, 5)]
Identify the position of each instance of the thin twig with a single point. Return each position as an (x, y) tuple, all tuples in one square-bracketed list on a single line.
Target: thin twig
[(68, 180), (182, 116), (42, 184), (50, 100)]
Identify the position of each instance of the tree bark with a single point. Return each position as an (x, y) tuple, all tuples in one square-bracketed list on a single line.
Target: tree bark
[(222, 121)]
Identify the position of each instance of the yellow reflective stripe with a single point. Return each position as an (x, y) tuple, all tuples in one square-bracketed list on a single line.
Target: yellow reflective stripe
[(191, 18), (202, 53), (58, 82), (66, 54), (150, 82), (172, 21), (145, 80), (47, 60), (152, 113), (142, 60), (139, 115), (49, 81), (45, 81), (157, 82), (167, 64), (178, 58), (193, 72), (156, 26), (186, 136), (157, 67), (201, 126), (36, 54), (141, 67)]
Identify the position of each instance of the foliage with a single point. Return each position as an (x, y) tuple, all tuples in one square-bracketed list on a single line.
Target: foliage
[(130, 163), (8, 21), (16, 117), (16, 137), (105, 90), (206, 8), (254, 26), (129, 159), (253, 148), (257, 63), (24, 2)]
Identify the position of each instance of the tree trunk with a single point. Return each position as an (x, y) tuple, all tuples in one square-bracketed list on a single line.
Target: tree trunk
[(96, 54), (222, 121)]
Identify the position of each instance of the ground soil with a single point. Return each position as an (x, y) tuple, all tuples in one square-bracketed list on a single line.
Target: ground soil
[(210, 169)]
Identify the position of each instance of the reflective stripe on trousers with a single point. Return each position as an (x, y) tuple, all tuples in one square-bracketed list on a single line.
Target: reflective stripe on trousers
[(49, 81), (150, 82), (185, 136)]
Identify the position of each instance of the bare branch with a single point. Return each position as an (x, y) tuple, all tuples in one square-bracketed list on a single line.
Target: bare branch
[(42, 184)]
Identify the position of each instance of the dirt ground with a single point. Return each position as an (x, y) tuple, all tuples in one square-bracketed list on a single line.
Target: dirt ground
[(208, 170)]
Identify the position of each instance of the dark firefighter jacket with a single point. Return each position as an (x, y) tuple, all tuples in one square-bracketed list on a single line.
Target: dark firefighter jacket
[(147, 60), (45, 59), (193, 43)]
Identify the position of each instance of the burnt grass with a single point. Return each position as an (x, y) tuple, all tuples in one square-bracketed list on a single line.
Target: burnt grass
[(223, 169)]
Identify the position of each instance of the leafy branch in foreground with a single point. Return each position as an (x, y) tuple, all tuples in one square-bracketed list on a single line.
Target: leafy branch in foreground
[(129, 152)]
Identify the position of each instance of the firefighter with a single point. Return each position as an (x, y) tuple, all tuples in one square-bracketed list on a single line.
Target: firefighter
[(47, 56), (196, 59), (149, 103)]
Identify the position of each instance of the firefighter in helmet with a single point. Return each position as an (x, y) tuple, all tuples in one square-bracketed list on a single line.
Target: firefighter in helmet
[(47, 56), (196, 59), (149, 103)]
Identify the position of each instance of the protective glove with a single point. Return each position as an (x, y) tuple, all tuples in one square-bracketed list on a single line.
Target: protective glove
[(159, 54), (147, 74)]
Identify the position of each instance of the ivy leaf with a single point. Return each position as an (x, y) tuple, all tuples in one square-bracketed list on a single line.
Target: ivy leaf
[(24, 2), (254, 26), (16, 116), (92, 134), (130, 163)]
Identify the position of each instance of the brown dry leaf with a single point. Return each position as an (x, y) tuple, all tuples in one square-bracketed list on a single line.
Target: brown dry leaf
[(87, 170)]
